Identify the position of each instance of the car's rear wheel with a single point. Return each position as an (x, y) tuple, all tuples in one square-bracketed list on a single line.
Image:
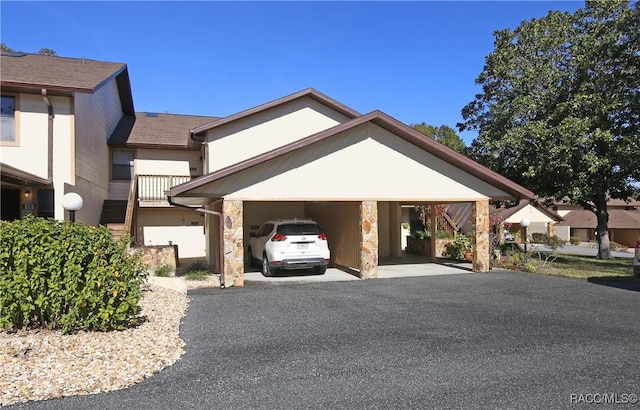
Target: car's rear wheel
[(252, 262), (266, 268)]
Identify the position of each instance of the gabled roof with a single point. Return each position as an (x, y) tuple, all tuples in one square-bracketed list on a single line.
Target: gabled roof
[(156, 130), (309, 92), (508, 212), (386, 122), (618, 219), (63, 74)]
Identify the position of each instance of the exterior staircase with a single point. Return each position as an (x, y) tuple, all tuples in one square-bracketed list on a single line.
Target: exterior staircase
[(113, 217)]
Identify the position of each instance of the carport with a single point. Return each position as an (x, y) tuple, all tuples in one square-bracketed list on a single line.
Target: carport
[(352, 178)]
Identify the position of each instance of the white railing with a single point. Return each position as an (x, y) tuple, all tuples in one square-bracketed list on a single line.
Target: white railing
[(151, 188)]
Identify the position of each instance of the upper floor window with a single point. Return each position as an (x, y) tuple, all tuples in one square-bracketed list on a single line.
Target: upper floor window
[(121, 165), (7, 119)]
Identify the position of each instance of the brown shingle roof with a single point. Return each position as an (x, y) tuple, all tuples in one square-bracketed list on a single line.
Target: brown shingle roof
[(618, 219), (156, 130), (60, 73)]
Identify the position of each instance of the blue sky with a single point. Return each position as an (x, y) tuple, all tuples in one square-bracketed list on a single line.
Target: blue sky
[(416, 61)]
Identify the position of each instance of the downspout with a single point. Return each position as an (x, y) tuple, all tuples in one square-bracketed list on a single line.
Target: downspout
[(221, 231), (47, 102)]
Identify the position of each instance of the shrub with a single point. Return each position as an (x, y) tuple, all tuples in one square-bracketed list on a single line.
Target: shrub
[(538, 237), (553, 242), (198, 265), (574, 240), (196, 275), (66, 275), (164, 270), (458, 247), (443, 235)]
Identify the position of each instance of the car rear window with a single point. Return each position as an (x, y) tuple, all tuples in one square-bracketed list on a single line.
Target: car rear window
[(299, 229)]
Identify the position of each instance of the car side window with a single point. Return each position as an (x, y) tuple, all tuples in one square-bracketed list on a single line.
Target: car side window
[(264, 230)]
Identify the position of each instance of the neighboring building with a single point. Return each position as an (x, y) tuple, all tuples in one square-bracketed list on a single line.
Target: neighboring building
[(541, 219), (94, 144), (57, 115), (624, 222)]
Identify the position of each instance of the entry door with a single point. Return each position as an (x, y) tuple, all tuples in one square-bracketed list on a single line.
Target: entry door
[(10, 204)]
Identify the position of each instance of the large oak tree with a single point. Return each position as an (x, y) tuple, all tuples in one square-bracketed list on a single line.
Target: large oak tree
[(559, 110)]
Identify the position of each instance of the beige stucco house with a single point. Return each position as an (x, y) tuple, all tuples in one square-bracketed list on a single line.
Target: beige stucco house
[(308, 156), (624, 222), (57, 115), (69, 125), (204, 184)]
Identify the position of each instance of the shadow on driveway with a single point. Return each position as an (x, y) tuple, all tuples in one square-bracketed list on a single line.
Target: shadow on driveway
[(626, 284)]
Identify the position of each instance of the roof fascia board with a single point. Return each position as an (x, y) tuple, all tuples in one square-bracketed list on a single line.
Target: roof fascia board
[(309, 92), (39, 87)]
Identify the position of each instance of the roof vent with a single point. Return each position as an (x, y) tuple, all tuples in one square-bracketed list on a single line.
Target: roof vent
[(13, 54), (151, 114)]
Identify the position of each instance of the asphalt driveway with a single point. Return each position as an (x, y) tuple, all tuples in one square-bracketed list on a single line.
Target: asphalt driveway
[(496, 340)]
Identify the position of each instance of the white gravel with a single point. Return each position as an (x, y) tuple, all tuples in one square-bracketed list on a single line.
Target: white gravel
[(43, 364)]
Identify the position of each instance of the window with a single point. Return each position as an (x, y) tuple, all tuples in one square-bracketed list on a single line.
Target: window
[(122, 165), (264, 230), (7, 119)]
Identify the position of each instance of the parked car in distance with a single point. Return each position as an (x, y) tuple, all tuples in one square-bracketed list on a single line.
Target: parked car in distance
[(289, 244), (508, 236)]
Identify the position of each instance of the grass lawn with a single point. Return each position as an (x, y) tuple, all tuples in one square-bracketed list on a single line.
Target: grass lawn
[(585, 267)]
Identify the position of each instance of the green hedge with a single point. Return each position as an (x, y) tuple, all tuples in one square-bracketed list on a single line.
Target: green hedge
[(66, 275)]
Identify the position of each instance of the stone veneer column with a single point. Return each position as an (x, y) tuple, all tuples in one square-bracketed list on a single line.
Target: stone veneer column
[(368, 239), (481, 257), (233, 243)]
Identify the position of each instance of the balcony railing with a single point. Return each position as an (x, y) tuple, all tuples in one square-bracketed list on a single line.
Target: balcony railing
[(151, 188)]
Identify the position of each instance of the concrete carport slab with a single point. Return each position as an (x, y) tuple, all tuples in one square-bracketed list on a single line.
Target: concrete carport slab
[(385, 271)]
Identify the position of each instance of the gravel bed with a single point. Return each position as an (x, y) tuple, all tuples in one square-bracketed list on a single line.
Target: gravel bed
[(44, 364)]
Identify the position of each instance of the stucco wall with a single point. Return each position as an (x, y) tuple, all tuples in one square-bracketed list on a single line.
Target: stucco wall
[(180, 226), (167, 162), (262, 132), (365, 162)]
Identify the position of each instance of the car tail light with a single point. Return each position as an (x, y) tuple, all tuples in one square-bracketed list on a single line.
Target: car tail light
[(322, 236), (278, 238)]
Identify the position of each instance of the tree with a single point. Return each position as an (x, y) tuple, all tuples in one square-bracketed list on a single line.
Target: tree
[(559, 110), (444, 135), (43, 51), (4, 47), (47, 52)]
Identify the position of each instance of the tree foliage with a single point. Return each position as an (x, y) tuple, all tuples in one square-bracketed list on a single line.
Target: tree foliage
[(444, 134), (43, 51), (559, 110)]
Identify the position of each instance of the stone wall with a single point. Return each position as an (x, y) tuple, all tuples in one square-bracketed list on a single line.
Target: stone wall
[(155, 256), (481, 257), (233, 243), (369, 239)]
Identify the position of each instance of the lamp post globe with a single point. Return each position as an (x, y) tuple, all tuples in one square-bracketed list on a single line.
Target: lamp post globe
[(72, 202)]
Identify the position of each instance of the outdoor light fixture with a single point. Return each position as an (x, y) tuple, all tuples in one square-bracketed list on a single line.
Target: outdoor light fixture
[(72, 202), (27, 193), (524, 223)]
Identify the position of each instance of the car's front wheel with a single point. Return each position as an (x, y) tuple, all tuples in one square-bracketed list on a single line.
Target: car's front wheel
[(266, 267)]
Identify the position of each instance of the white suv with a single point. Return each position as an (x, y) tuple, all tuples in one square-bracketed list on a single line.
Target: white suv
[(289, 244)]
